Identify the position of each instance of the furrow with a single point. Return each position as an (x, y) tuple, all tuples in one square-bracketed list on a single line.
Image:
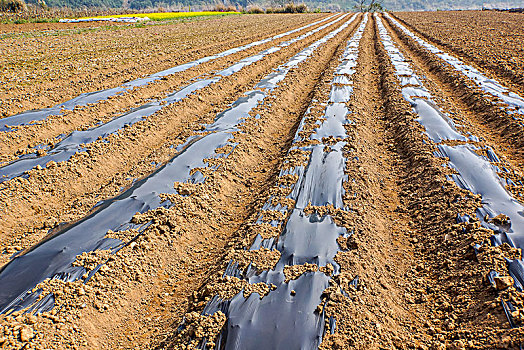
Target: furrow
[(289, 236), (188, 166), (143, 289), (35, 132), (492, 104), (470, 167), (71, 144), (127, 154)]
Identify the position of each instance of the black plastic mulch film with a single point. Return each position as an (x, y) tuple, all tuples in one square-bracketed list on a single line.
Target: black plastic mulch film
[(77, 140), (288, 317), (53, 257), (474, 172)]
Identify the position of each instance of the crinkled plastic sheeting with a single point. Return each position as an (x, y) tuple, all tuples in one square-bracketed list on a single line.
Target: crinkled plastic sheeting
[(475, 172), (284, 319), (53, 257), (514, 103), (101, 95), (71, 144)]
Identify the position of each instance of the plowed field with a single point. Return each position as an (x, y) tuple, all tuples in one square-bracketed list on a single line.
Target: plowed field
[(332, 181)]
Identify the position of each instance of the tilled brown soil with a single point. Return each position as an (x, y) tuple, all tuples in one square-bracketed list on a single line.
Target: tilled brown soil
[(422, 281), (111, 163), (489, 39), (10, 29), (44, 70), (23, 139), (462, 306)]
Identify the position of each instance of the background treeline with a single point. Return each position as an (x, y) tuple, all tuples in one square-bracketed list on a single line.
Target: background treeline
[(419, 5)]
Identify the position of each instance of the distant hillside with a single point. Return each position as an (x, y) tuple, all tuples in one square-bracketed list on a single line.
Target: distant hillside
[(420, 5), (417, 5), (393, 5)]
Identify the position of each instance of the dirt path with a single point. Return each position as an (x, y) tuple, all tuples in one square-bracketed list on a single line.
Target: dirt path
[(340, 184), (381, 251)]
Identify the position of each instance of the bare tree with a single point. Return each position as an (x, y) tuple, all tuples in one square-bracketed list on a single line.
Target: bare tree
[(374, 5)]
